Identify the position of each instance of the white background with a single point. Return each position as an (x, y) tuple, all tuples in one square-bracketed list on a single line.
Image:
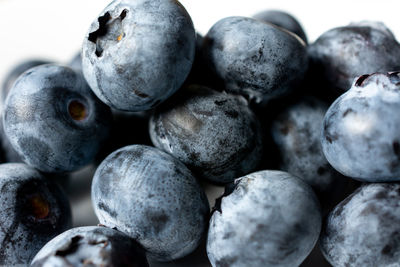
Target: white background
[(54, 29)]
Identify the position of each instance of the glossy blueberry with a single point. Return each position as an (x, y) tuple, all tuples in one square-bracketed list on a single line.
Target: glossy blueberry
[(138, 52), (152, 197), (364, 229), (13, 75), (297, 133), (270, 219), (53, 120), (91, 246), (282, 19), (344, 53), (361, 134), (33, 211), (253, 58), (213, 133)]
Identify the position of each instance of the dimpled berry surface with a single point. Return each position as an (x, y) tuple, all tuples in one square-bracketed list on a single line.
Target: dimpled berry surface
[(137, 53), (363, 230), (361, 133), (270, 219), (254, 58), (215, 134), (151, 196)]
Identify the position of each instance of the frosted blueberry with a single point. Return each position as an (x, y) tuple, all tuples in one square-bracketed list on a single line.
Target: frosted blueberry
[(297, 133), (255, 59), (152, 197), (91, 246), (361, 131), (270, 219), (215, 134), (33, 211), (344, 53), (364, 229), (137, 53)]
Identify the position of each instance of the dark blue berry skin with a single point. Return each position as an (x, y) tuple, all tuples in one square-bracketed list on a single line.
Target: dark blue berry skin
[(91, 246), (152, 197), (282, 19), (255, 59), (33, 211), (270, 218), (138, 53), (341, 54), (13, 75), (53, 120), (361, 134), (297, 132), (215, 134), (364, 229)]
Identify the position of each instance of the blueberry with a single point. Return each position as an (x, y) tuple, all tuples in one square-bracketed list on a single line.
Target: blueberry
[(13, 75), (10, 155), (215, 134), (282, 19), (152, 197), (253, 58), (270, 219), (344, 53), (53, 120), (33, 211), (138, 53), (91, 246), (361, 136), (363, 230), (297, 132)]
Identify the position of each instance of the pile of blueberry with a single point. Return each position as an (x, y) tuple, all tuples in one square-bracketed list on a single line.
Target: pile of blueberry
[(305, 138)]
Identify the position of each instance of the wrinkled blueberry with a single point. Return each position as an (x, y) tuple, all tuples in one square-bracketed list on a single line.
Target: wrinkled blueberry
[(253, 58), (361, 131), (33, 211), (151, 196), (344, 53), (297, 132), (91, 246), (138, 53), (282, 19), (13, 75), (53, 120), (215, 134), (364, 229), (270, 219)]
